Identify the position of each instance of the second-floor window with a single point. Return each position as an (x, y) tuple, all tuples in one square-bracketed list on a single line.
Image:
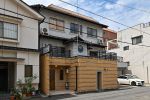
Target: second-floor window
[(91, 32), (126, 48), (137, 40), (75, 28), (8, 30), (56, 24)]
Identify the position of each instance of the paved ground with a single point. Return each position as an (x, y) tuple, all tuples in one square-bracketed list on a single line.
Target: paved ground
[(125, 93)]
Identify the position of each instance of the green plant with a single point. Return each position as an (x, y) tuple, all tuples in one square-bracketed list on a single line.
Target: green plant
[(28, 82), (16, 93), (13, 92), (25, 88)]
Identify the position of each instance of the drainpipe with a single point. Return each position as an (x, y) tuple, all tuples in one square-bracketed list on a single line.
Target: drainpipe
[(39, 30), (147, 75), (76, 91)]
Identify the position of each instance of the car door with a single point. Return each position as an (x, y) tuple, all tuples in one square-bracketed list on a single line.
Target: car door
[(123, 80)]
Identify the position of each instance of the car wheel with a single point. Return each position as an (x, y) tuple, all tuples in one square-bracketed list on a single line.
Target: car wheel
[(133, 83)]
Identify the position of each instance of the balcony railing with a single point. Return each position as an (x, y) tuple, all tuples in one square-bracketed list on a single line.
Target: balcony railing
[(102, 54), (55, 51)]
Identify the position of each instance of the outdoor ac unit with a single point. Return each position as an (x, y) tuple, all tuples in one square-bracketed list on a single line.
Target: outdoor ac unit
[(44, 31), (99, 41)]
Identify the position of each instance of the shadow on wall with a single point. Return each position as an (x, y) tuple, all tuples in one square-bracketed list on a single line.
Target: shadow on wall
[(127, 71)]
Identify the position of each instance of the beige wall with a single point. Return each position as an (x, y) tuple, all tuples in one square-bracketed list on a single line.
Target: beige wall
[(27, 37)]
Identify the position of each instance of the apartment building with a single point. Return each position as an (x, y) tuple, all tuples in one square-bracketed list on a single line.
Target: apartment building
[(19, 55), (73, 55), (134, 48)]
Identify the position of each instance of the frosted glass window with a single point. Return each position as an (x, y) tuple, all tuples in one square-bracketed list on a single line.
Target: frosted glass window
[(10, 31)]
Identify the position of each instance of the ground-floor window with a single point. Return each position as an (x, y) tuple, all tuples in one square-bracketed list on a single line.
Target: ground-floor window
[(28, 70)]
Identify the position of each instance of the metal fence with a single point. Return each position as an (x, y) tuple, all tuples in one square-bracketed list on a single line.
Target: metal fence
[(55, 51)]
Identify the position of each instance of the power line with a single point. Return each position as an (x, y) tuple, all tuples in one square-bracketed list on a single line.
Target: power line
[(104, 17), (97, 36), (142, 10), (77, 31)]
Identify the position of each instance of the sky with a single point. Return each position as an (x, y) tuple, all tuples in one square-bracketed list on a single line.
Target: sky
[(112, 9)]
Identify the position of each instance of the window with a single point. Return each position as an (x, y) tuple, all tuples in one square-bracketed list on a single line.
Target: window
[(126, 48), (122, 77), (74, 28), (81, 30), (137, 40), (93, 53), (56, 24), (61, 74), (91, 32), (8, 30), (128, 63), (28, 70)]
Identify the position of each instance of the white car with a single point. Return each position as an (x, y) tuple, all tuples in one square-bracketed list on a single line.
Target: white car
[(130, 80)]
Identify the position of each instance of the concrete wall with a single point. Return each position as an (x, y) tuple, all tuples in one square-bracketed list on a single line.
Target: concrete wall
[(138, 56)]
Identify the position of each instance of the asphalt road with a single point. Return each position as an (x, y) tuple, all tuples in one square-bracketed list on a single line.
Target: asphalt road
[(125, 93)]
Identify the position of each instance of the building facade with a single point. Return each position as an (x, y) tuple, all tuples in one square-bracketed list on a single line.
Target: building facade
[(19, 56), (109, 35), (134, 48), (73, 55)]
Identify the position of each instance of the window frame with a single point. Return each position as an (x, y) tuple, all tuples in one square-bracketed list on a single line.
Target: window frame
[(56, 25), (25, 74), (141, 38), (91, 34), (125, 48), (3, 29), (75, 26)]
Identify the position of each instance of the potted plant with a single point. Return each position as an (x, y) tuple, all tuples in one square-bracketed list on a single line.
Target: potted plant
[(18, 95), (29, 82), (24, 91), (12, 94)]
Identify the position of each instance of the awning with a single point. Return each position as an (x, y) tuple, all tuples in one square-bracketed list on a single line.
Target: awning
[(11, 59)]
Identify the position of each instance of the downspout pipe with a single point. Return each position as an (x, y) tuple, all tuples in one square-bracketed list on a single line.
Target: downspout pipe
[(40, 22)]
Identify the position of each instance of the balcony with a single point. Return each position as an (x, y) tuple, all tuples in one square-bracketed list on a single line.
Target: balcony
[(55, 51), (120, 63)]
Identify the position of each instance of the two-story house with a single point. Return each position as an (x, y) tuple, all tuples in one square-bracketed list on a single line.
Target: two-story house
[(19, 56), (73, 54)]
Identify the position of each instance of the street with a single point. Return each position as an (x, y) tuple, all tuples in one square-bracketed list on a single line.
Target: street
[(131, 93)]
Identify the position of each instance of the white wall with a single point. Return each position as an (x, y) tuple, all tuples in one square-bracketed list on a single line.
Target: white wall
[(138, 56)]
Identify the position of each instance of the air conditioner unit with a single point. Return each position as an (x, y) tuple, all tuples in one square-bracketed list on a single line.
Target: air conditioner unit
[(44, 31), (99, 41)]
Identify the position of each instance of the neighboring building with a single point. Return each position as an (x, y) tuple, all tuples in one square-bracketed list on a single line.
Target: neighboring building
[(19, 56), (70, 65), (134, 48), (109, 35)]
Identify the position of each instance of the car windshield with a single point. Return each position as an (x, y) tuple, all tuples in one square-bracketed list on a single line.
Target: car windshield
[(133, 77)]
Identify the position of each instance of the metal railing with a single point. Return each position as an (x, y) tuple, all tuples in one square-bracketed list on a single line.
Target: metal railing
[(102, 54), (55, 51)]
